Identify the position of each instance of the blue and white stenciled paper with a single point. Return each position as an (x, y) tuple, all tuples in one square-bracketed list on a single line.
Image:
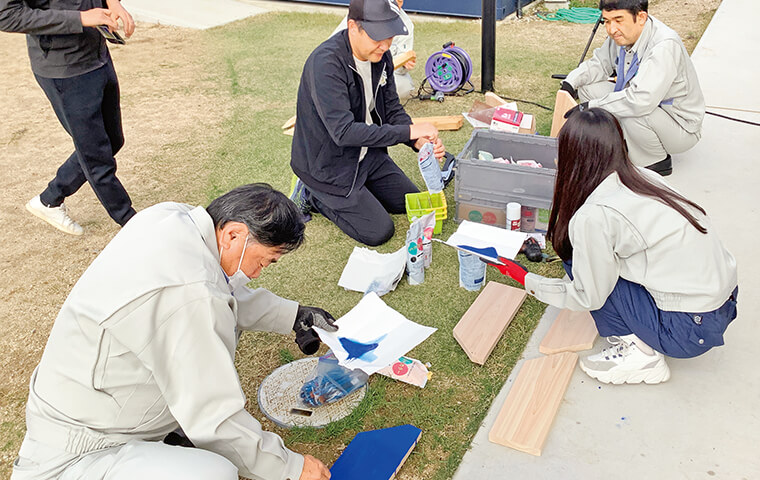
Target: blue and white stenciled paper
[(372, 322)]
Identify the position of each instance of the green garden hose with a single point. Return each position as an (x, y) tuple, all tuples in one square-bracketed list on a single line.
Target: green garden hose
[(573, 15)]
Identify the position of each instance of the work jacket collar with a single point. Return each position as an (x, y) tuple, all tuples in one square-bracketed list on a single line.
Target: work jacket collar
[(205, 225), (643, 41)]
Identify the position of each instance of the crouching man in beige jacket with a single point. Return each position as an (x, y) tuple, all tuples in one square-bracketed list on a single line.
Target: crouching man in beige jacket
[(145, 343)]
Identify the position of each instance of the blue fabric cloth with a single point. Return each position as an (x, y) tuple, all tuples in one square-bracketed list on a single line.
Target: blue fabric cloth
[(631, 309)]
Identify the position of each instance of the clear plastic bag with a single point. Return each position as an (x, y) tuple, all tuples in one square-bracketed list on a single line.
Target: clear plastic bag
[(329, 382)]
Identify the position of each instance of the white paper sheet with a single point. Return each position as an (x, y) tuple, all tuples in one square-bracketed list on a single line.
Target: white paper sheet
[(371, 321), (506, 242), (365, 266)]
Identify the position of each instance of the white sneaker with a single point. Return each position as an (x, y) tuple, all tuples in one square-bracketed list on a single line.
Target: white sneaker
[(624, 362), (55, 216)]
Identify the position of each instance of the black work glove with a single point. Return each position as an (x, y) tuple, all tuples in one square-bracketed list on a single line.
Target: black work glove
[(532, 250), (569, 89), (307, 317), (578, 108)]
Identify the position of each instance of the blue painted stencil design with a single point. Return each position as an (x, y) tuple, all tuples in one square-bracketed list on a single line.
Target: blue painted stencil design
[(360, 350)]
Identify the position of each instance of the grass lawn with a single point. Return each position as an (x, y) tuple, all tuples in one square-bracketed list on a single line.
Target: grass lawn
[(261, 76)]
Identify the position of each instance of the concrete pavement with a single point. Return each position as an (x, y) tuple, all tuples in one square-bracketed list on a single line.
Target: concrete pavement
[(202, 14), (703, 422)]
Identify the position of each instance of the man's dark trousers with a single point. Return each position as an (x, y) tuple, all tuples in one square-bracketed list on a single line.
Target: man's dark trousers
[(379, 190), (88, 107)]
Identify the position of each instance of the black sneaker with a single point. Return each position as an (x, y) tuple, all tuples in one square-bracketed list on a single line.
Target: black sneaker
[(663, 167)]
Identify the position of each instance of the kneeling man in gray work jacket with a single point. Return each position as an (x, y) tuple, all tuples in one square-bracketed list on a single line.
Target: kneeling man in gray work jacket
[(145, 344), (656, 98)]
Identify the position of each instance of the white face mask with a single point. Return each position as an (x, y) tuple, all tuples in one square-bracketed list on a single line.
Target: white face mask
[(238, 279)]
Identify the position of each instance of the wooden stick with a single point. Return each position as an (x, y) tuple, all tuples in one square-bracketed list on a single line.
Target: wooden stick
[(401, 59), (450, 122)]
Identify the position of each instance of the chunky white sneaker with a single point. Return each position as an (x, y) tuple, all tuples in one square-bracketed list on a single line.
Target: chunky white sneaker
[(55, 216), (624, 362)]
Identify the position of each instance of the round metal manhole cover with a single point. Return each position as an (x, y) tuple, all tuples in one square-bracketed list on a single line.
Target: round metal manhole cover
[(280, 402)]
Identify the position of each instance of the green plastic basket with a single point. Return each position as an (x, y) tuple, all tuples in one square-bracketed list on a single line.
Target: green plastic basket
[(419, 204)]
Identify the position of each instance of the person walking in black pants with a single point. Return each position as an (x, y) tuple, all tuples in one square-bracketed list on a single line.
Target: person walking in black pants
[(72, 64)]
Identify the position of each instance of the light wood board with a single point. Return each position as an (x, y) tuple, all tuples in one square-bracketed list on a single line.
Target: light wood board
[(494, 100), (290, 123), (562, 104), (400, 59), (448, 122), (532, 403), (570, 332), (483, 324)]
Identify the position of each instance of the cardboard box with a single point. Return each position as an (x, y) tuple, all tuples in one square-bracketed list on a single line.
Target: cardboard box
[(506, 119)]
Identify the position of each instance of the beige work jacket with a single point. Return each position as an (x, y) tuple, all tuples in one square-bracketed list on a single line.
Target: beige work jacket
[(145, 342), (617, 234)]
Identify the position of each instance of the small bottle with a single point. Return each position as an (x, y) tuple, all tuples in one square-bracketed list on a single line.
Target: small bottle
[(528, 219), (513, 216)]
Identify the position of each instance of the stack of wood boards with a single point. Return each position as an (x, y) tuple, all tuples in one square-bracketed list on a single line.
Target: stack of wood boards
[(483, 324), (533, 401)]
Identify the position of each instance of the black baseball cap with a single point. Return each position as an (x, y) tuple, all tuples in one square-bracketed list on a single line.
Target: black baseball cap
[(379, 18)]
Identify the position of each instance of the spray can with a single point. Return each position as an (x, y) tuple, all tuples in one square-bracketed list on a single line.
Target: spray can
[(429, 168), (528, 219), (513, 216)]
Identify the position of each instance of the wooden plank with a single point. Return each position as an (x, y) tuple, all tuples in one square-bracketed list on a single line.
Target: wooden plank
[(484, 322), (532, 403), (290, 123), (400, 59), (448, 122), (376, 454), (570, 332), (562, 104), (494, 100)]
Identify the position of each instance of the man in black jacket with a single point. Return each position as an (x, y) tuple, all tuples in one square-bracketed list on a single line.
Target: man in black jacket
[(348, 113), (71, 63)]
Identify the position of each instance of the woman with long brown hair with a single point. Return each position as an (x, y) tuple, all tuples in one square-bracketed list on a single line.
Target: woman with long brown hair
[(643, 259)]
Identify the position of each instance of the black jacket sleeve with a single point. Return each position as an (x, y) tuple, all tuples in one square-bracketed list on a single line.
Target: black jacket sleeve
[(19, 17), (330, 98)]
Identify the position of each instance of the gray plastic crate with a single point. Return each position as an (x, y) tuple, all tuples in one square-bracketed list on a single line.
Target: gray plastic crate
[(496, 184)]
